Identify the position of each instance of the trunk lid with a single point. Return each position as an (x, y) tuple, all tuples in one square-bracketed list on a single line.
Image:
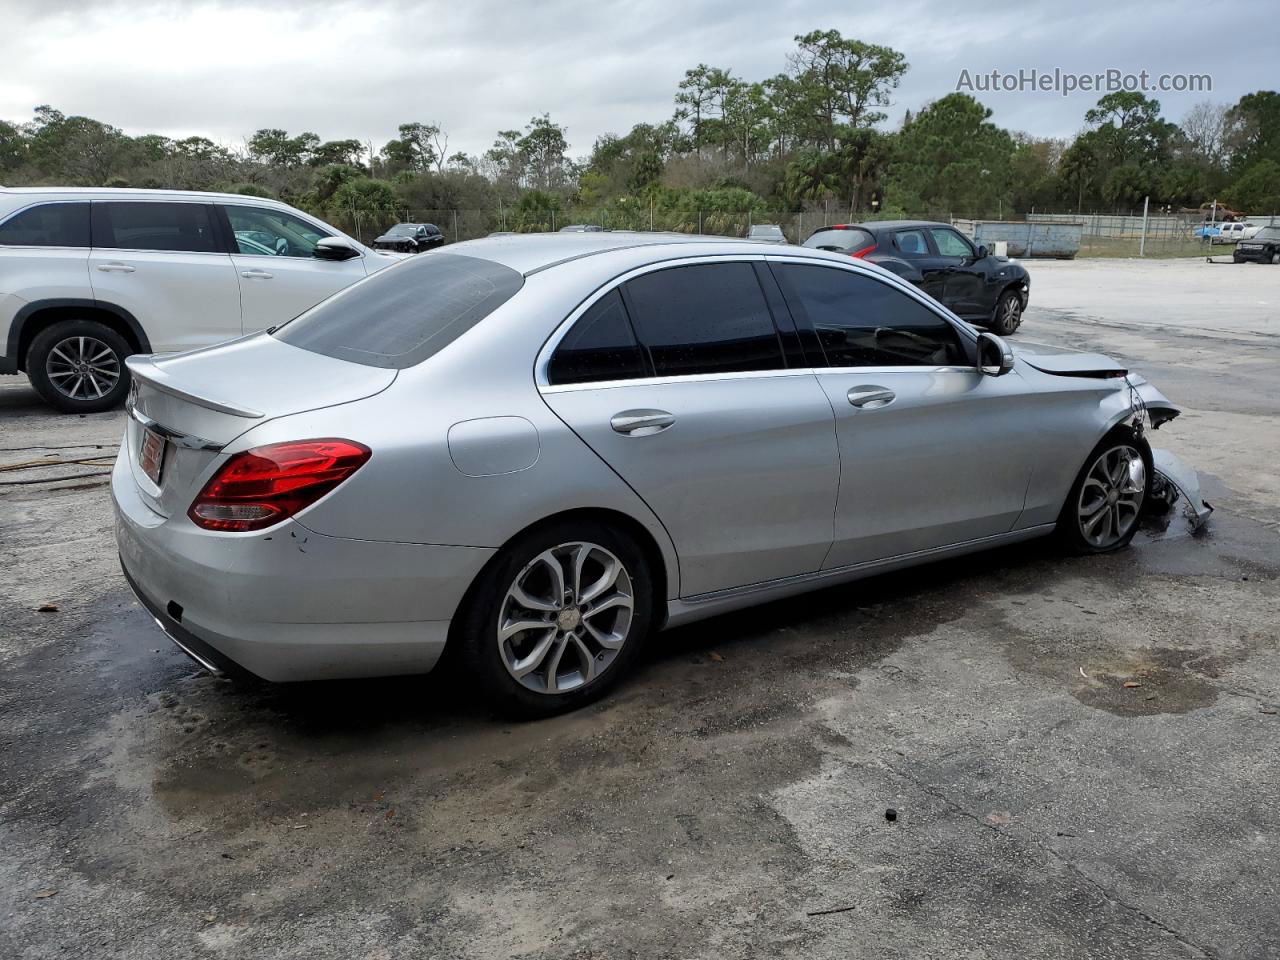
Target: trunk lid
[(201, 400)]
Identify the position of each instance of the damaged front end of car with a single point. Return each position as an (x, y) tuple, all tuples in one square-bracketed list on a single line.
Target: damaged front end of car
[(1173, 483)]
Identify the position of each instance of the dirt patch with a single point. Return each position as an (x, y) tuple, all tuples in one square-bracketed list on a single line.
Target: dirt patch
[(1150, 681)]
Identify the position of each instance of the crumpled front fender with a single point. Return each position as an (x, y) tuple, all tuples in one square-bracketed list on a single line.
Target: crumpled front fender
[(1174, 480)]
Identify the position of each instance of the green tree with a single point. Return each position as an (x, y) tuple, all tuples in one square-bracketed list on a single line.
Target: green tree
[(950, 157), (1253, 129), (346, 152), (543, 149), (275, 147), (363, 195), (1258, 190)]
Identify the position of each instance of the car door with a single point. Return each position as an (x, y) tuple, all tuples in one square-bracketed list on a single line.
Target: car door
[(678, 381), (279, 277), (932, 451), (164, 262), (966, 274), (913, 245)]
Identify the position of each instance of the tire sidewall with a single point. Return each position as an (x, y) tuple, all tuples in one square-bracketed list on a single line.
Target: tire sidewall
[(475, 630), (47, 339), (1068, 520), (998, 325)]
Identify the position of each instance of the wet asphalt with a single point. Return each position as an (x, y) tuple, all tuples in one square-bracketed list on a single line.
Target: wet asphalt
[(1080, 753)]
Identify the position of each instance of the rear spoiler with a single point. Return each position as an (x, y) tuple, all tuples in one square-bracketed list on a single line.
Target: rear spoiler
[(145, 368)]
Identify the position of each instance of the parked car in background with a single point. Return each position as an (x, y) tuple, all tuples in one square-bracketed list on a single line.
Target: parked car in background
[(982, 288), (615, 433), (1262, 247), (766, 233), (410, 238), (582, 228), (90, 276), (1233, 232)]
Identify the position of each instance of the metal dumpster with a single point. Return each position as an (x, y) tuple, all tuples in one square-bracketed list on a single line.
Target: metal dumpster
[(1049, 240)]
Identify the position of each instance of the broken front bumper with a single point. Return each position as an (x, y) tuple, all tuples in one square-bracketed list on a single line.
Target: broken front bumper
[(1174, 481)]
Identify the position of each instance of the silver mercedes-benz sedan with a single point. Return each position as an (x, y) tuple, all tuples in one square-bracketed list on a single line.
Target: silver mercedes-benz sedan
[(537, 450)]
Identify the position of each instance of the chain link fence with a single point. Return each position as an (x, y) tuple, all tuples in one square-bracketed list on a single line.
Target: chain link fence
[(1109, 235)]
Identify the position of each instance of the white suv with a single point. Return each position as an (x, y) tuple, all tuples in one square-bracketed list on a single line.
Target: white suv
[(89, 276)]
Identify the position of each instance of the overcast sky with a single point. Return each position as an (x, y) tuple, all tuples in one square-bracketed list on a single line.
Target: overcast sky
[(357, 68)]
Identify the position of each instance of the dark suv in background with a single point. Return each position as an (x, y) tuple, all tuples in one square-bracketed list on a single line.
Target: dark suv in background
[(984, 289)]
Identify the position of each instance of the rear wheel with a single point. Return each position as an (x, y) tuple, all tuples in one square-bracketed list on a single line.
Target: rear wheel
[(1008, 315), (557, 619), (78, 366), (1101, 513)]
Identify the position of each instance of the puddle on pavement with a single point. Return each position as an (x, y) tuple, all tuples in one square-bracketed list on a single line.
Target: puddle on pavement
[(1149, 681)]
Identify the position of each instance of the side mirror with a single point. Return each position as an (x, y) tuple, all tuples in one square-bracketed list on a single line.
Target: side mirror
[(334, 248), (995, 359), (983, 252)]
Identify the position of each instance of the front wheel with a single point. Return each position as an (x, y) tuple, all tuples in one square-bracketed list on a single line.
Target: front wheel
[(557, 619), (1102, 510), (1275, 258), (1008, 315), (78, 366)]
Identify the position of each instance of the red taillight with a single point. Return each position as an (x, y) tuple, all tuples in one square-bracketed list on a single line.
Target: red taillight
[(859, 254), (262, 486)]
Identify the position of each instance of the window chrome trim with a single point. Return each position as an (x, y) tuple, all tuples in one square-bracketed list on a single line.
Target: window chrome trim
[(681, 378)]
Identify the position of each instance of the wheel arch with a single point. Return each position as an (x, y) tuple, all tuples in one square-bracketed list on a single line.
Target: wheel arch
[(41, 314), (632, 527)]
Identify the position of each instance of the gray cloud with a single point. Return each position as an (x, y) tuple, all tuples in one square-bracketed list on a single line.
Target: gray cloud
[(345, 68)]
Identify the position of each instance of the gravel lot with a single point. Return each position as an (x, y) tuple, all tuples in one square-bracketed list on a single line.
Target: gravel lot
[(729, 801)]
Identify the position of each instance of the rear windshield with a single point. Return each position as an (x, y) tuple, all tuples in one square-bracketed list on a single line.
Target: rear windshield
[(406, 313), (839, 240)]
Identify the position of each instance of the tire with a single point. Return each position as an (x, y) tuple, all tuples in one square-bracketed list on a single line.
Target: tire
[(1275, 258), (519, 586), (1008, 314), (78, 366), (1105, 486)]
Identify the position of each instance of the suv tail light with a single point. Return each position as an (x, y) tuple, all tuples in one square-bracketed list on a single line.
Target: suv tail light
[(260, 487)]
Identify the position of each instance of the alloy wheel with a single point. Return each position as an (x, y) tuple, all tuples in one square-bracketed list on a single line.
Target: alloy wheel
[(82, 368), (1012, 314), (565, 617), (1111, 496)]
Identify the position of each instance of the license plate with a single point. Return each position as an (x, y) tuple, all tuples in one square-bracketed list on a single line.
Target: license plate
[(151, 456)]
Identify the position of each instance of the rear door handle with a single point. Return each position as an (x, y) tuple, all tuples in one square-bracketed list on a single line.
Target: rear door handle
[(115, 268), (868, 397), (641, 423), (255, 274)]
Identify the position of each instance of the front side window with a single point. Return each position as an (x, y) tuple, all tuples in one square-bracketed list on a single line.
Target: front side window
[(159, 225), (267, 232), (404, 314), (601, 346), (48, 225), (706, 318), (950, 243), (863, 322)]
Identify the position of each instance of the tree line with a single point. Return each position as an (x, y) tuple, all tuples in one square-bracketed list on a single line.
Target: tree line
[(810, 137)]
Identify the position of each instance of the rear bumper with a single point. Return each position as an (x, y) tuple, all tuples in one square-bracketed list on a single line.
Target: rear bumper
[(288, 604)]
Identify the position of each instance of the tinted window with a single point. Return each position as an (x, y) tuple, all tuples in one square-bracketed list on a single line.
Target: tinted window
[(601, 346), (406, 313), (911, 243), (154, 226), (709, 318), (862, 322), (48, 225), (267, 232), (950, 243), (841, 241)]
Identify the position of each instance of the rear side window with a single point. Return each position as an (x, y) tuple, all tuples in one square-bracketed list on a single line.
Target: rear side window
[(863, 322), (404, 314), (911, 243), (164, 226), (601, 346), (48, 225), (840, 241), (707, 318)]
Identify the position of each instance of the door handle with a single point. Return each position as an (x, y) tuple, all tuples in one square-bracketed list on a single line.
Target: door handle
[(255, 274), (868, 397), (641, 423), (115, 268)]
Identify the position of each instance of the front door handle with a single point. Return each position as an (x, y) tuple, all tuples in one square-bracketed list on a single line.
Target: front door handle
[(255, 274), (641, 423), (869, 397), (115, 268)]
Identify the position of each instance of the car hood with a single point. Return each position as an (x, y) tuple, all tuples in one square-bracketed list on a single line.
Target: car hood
[(1065, 362)]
